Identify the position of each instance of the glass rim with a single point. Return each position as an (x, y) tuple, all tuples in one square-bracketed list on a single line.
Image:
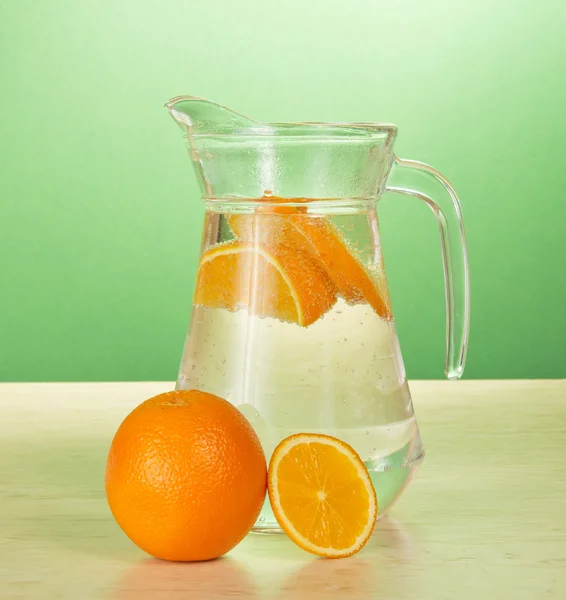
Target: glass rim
[(341, 133), (351, 132)]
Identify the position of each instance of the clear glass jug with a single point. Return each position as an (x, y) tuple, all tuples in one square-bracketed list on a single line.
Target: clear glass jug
[(291, 316)]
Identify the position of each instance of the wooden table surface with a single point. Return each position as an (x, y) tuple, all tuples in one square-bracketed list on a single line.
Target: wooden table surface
[(484, 519)]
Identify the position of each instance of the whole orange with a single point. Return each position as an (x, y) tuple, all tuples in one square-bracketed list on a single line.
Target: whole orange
[(186, 476)]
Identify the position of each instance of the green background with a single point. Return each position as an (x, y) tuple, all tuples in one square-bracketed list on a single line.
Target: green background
[(100, 220)]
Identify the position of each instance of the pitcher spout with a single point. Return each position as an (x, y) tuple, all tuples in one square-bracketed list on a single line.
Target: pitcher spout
[(199, 116)]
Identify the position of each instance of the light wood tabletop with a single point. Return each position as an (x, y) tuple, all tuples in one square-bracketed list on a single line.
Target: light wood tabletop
[(484, 519)]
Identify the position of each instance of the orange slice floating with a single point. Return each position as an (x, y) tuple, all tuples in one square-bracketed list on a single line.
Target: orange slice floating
[(270, 281), (324, 242), (321, 494)]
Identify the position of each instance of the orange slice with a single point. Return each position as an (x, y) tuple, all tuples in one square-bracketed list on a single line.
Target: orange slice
[(321, 494), (350, 277), (324, 241), (273, 281)]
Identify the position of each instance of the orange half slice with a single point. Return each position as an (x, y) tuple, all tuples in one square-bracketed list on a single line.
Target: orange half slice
[(321, 494), (272, 281), (350, 277)]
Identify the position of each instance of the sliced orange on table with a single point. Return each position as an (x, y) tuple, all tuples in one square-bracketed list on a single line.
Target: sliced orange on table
[(316, 235), (321, 495), (270, 280)]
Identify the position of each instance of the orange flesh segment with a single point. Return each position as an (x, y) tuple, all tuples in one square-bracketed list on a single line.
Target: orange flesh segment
[(324, 242), (350, 277), (322, 495), (269, 282)]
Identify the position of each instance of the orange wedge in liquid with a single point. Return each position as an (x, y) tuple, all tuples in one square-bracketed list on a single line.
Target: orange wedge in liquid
[(314, 234), (269, 280)]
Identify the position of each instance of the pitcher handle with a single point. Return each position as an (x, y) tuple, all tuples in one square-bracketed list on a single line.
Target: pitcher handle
[(414, 178)]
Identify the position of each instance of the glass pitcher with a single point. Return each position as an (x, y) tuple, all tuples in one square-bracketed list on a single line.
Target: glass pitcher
[(291, 318)]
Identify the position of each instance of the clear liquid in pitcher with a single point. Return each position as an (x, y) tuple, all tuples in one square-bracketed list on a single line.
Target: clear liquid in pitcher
[(292, 370)]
